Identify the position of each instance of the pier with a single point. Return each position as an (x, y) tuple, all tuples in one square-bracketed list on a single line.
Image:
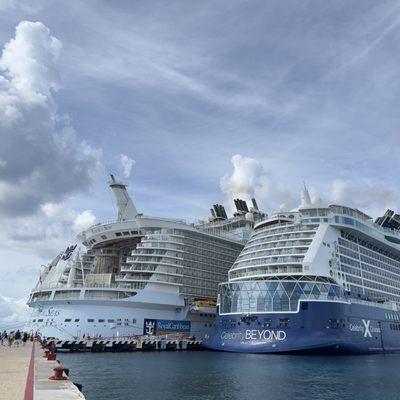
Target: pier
[(27, 375)]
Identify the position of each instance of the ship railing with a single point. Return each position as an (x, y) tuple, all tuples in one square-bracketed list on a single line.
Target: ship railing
[(220, 223), (387, 306), (265, 272), (139, 216), (368, 225), (79, 286)]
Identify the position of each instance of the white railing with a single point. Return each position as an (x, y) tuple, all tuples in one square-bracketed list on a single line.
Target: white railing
[(77, 286)]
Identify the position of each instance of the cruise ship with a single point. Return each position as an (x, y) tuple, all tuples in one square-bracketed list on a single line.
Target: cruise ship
[(315, 280), (140, 275)]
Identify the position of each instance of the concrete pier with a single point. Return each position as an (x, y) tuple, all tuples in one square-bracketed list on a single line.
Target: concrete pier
[(24, 375), (14, 365)]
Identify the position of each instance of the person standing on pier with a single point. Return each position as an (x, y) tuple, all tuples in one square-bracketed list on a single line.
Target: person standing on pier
[(10, 339), (17, 338), (4, 338), (24, 338)]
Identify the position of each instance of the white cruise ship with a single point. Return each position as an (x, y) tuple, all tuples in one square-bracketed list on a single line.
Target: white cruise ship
[(140, 275), (314, 280)]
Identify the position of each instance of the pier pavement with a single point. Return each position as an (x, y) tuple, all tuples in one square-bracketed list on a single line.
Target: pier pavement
[(14, 365), (24, 375)]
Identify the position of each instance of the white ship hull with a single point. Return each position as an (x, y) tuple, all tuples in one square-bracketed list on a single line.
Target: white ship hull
[(75, 319)]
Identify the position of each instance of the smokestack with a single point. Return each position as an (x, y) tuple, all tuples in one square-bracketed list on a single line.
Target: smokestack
[(215, 206), (253, 200), (244, 206), (223, 212), (219, 211)]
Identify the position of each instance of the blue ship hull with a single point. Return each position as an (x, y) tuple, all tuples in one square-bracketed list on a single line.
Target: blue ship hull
[(318, 327)]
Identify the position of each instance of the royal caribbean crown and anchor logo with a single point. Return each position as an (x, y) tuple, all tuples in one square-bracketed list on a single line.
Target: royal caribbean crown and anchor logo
[(154, 327)]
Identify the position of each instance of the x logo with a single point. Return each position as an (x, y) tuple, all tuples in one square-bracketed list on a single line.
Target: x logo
[(367, 332)]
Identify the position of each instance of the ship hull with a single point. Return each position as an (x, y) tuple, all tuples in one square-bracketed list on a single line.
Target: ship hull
[(317, 328), (66, 320)]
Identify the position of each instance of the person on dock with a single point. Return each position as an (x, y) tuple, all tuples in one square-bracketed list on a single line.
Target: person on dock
[(24, 338), (17, 338), (4, 336), (10, 338)]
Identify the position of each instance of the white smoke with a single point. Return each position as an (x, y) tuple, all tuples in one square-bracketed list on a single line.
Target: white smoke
[(127, 164), (247, 180)]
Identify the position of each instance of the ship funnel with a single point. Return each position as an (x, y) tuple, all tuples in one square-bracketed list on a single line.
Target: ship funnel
[(305, 198), (255, 205), (126, 208)]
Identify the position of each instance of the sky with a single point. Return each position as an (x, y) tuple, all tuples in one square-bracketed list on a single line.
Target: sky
[(190, 103)]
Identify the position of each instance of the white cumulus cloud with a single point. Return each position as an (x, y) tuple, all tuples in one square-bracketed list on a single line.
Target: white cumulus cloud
[(368, 196), (13, 313), (42, 159), (83, 220), (51, 209), (127, 164)]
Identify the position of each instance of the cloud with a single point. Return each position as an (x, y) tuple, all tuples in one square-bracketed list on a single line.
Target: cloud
[(13, 313), (51, 209), (42, 159), (127, 164), (368, 196), (7, 4), (250, 178), (83, 220)]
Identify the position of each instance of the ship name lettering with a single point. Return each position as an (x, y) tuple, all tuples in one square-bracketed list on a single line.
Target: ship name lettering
[(231, 335), (356, 328), (265, 334)]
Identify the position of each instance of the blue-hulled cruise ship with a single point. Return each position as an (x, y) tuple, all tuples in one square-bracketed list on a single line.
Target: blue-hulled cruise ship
[(314, 280)]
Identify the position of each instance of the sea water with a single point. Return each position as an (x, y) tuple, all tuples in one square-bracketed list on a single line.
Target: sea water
[(212, 375)]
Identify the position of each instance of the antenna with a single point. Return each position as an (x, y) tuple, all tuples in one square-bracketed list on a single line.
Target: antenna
[(305, 197)]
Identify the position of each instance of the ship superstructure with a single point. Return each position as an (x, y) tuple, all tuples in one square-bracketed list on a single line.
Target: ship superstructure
[(316, 279), (140, 274)]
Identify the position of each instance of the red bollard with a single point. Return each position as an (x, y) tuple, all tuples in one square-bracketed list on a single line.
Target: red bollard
[(51, 356), (58, 374)]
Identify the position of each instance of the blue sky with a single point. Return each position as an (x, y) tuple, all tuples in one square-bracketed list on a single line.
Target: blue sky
[(208, 99)]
